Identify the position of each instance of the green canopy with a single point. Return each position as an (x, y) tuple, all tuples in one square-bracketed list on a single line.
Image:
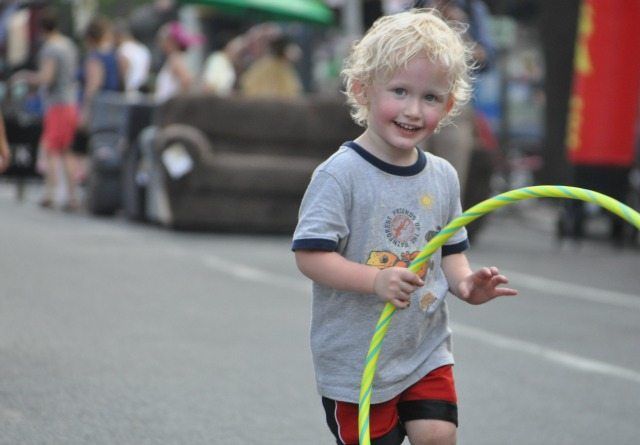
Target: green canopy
[(310, 11)]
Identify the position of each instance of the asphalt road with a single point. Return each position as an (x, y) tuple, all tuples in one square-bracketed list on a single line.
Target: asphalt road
[(121, 333)]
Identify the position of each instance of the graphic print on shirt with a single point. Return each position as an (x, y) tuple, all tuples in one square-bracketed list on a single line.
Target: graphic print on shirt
[(402, 229)]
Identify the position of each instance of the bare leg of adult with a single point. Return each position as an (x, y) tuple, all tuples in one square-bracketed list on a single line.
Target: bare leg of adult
[(50, 176), (69, 169), (81, 166)]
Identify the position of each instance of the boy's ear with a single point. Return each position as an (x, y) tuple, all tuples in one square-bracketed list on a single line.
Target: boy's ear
[(359, 92), (450, 103)]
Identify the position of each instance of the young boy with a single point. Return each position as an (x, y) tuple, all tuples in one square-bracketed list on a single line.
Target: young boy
[(367, 212)]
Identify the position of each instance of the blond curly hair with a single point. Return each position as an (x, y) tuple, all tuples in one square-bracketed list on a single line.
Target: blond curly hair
[(395, 40)]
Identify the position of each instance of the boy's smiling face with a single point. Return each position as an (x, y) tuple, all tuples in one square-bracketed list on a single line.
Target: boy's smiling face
[(405, 110)]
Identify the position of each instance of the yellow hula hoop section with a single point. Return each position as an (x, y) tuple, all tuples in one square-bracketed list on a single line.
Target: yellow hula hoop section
[(478, 210)]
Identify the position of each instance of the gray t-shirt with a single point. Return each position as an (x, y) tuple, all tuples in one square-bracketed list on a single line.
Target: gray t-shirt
[(63, 89), (375, 213)]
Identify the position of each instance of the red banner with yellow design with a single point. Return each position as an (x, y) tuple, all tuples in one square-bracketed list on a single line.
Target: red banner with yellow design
[(603, 111)]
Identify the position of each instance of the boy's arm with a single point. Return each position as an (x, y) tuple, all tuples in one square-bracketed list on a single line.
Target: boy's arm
[(394, 284), (474, 287)]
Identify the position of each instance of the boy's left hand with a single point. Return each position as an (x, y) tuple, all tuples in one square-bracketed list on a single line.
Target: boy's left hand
[(482, 286)]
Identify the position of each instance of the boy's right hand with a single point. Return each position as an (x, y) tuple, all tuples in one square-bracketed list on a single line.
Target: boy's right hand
[(395, 285)]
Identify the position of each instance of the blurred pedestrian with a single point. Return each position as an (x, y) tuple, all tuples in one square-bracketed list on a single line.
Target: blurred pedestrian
[(146, 19), (219, 74), (476, 15), (256, 43), (456, 142), (100, 70), (175, 76), (366, 214), (56, 77), (134, 59), (274, 74), (5, 153)]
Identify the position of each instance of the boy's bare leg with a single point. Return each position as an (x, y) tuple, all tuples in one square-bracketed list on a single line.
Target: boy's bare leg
[(431, 432)]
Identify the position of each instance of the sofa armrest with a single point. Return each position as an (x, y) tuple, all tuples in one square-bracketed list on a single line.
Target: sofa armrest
[(183, 152)]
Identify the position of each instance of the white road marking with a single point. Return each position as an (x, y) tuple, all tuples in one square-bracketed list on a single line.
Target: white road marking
[(572, 361), (244, 272), (559, 357)]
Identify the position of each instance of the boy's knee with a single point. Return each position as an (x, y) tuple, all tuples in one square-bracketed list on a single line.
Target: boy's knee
[(431, 432)]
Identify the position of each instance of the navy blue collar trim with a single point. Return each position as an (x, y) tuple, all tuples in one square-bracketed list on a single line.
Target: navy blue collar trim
[(397, 170)]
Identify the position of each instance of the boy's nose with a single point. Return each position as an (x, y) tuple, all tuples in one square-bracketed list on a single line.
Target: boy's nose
[(412, 107)]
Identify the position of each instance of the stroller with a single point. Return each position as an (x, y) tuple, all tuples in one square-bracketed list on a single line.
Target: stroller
[(22, 110)]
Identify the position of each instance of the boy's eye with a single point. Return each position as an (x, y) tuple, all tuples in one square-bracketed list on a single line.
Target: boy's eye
[(431, 98), (399, 91)]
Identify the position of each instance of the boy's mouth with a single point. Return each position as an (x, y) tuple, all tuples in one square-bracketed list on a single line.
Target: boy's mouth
[(407, 127)]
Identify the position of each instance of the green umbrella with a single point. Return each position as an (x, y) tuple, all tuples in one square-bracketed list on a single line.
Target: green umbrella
[(311, 11)]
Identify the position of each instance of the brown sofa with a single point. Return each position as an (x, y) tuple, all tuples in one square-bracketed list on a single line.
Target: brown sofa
[(238, 164)]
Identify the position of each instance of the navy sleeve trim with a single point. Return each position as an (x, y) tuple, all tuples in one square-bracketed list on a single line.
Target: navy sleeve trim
[(314, 244), (455, 248)]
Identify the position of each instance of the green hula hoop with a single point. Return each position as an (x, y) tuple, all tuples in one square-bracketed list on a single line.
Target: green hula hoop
[(478, 210)]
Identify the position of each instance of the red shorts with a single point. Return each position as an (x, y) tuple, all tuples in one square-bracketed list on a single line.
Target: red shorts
[(59, 127), (432, 397)]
